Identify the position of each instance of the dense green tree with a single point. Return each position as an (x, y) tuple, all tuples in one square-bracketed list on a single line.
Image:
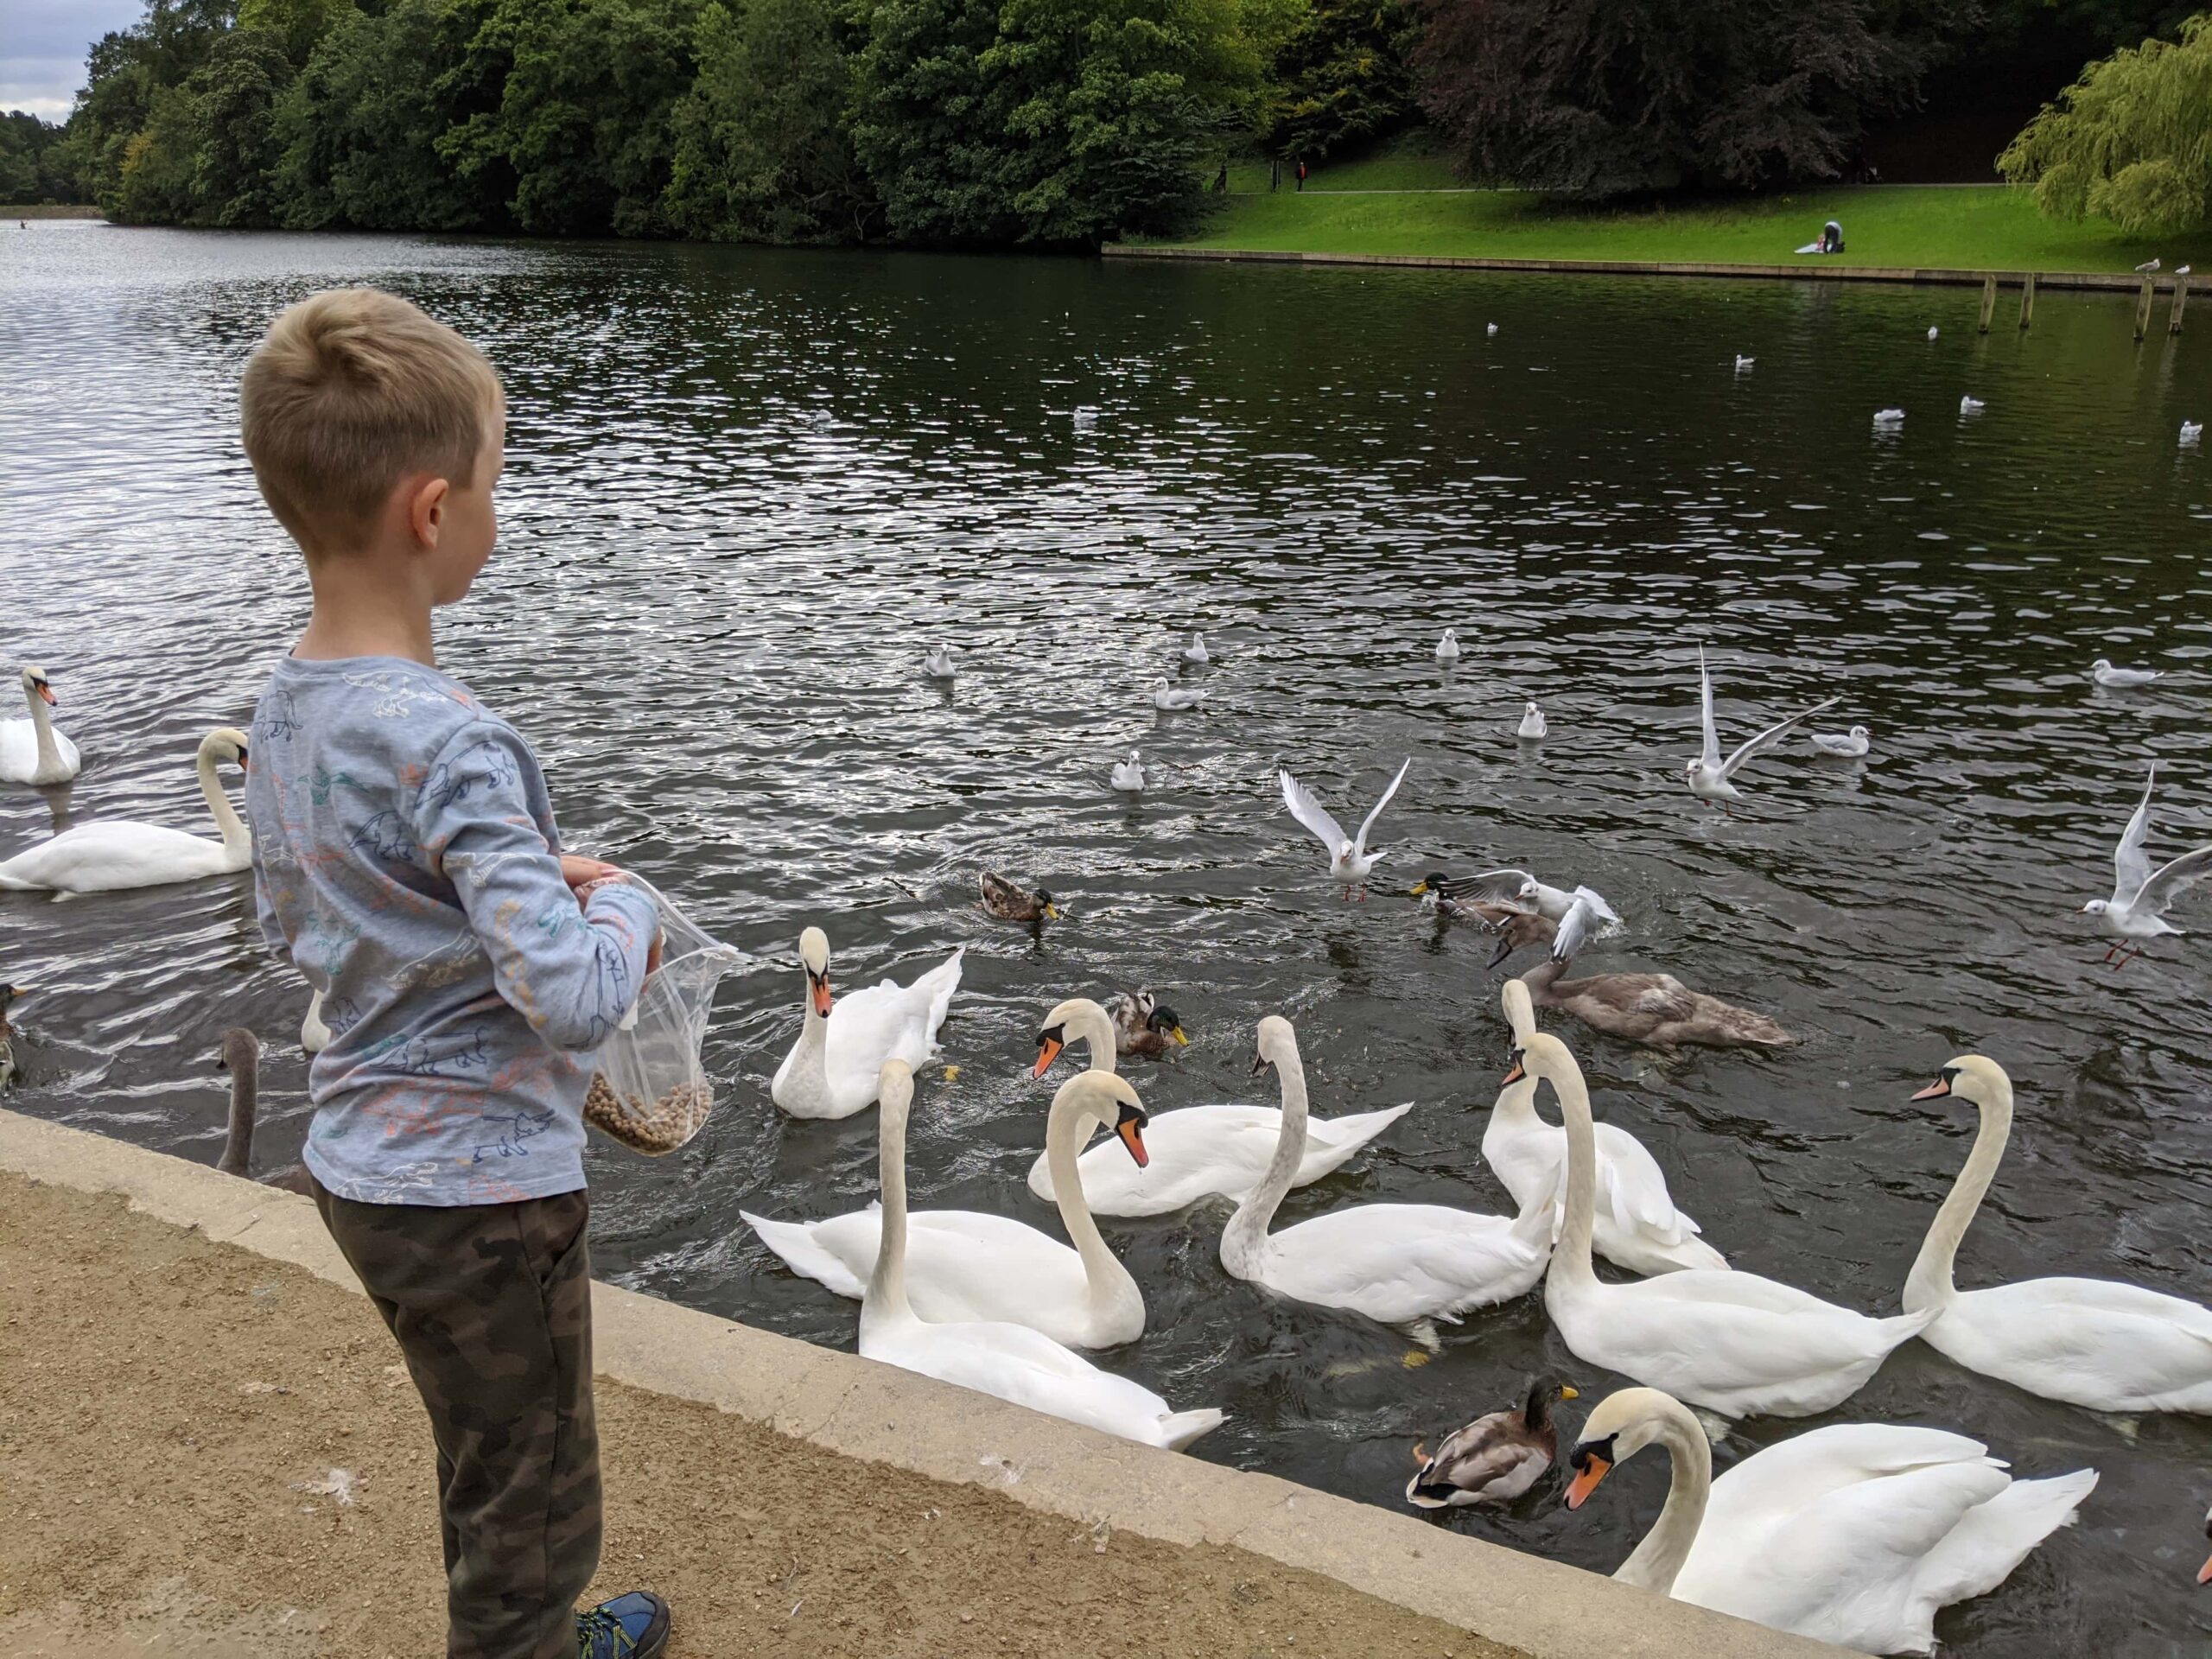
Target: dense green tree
[(585, 116), (1600, 98), (364, 125), (1342, 77), (2130, 140), (762, 151), (34, 161), (127, 72), (1056, 121)]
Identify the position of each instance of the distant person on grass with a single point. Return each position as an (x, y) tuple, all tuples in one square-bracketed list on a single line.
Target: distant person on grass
[(405, 858), (1301, 174), (1832, 237)]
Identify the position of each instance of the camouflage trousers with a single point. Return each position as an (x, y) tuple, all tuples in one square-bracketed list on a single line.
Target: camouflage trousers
[(492, 1305)]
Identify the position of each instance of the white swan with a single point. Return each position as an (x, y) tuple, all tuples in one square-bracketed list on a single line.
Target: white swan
[(1855, 1534), (1196, 1151), (1396, 1263), (103, 857), (1735, 1343), (967, 1265), (831, 1070), (2096, 1343), (1011, 1362), (1637, 1225), (1128, 775), (31, 751)]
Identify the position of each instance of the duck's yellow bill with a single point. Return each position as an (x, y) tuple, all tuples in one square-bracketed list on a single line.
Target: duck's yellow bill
[(1178, 1035)]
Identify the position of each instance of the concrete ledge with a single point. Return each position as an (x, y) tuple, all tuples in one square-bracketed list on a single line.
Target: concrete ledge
[(2119, 280), (859, 1408)]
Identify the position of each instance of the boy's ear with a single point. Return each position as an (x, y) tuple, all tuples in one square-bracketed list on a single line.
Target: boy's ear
[(426, 504)]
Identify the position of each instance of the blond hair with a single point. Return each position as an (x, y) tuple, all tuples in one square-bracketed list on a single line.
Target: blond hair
[(353, 390)]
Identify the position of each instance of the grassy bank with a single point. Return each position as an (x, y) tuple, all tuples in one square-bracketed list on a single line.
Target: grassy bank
[(47, 210), (1403, 204)]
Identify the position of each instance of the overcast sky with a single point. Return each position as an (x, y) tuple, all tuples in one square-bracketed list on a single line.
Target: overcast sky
[(42, 46)]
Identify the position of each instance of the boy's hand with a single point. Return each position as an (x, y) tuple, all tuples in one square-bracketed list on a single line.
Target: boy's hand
[(580, 872)]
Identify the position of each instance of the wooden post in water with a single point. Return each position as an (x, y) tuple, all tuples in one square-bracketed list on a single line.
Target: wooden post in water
[(2027, 299), (2181, 298), (1988, 300), (2143, 307)]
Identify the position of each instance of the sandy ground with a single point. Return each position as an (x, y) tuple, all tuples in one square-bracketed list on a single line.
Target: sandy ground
[(174, 1416)]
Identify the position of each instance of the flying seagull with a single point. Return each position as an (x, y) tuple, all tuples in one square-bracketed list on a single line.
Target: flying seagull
[(2136, 911), (1709, 776), (1350, 861)]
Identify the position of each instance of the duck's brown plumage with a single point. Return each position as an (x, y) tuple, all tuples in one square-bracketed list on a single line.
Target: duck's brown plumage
[(1011, 902), (1143, 1026), (1493, 1460)]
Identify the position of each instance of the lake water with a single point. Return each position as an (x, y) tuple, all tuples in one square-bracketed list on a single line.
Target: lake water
[(746, 490)]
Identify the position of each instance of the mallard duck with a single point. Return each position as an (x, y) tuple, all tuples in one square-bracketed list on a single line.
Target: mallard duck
[(1145, 1026), (1493, 1460), (8, 995), (1656, 1010), (1010, 902), (241, 1057)]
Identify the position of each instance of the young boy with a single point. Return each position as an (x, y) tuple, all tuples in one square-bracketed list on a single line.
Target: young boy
[(406, 857)]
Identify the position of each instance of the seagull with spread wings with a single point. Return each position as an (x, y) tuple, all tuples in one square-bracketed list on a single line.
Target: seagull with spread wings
[(1710, 776), (2136, 911), (1350, 861)]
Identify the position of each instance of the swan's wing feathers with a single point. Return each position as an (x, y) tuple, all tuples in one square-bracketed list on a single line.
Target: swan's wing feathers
[(1311, 813), (1368, 823), (2169, 881), (1772, 735)]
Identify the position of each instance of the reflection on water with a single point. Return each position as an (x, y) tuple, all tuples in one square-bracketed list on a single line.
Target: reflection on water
[(746, 491)]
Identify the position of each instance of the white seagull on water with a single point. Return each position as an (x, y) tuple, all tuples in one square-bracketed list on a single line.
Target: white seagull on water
[(1532, 722), (2139, 894), (938, 664), (1447, 648), (1195, 652), (1709, 775), (1848, 745), (1350, 861), (1172, 697), (1128, 775), (2105, 674)]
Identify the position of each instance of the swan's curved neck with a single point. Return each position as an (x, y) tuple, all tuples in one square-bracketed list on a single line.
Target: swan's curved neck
[(809, 1063), (1572, 1253), (49, 751), (237, 1145), (1516, 1109), (1539, 979), (1246, 1234), (1929, 1284), (233, 830), (1095, 1031), (1104, 1277), (1659, 1558), (886, 1282)]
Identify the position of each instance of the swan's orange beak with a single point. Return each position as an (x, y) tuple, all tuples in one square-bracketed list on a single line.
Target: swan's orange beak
[(822, 997), (1939, 1089), (2205, 1573), (1518, 1071), (1593, 1469), (1048, 1050), (45, 692), (1131, 1129)]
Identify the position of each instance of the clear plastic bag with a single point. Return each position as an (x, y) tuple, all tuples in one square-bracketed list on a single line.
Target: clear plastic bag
[(652, 1091)]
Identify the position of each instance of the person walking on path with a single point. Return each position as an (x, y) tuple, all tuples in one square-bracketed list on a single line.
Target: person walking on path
[(406, 859), (1301, 173)]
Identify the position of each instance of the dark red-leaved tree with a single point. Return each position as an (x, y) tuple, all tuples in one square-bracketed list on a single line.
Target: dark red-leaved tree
[(1603, 98)]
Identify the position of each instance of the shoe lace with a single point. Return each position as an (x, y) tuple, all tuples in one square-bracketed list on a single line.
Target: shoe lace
[(596, 1624)]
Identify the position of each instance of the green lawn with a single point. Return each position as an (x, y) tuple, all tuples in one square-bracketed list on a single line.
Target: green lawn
[(1971, 227)]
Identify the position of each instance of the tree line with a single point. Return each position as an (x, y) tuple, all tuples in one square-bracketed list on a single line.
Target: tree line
[(1044, 122)]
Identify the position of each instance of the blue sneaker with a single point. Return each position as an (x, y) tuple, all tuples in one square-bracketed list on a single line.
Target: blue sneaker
[(634, 1626)]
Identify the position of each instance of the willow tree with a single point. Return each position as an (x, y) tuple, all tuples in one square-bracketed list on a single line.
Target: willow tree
[(2129, 141)]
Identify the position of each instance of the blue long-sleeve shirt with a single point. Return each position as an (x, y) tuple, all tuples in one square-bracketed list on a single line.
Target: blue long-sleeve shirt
[(406, 857)]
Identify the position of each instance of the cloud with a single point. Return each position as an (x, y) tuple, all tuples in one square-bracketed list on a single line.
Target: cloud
[(42, 46)]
